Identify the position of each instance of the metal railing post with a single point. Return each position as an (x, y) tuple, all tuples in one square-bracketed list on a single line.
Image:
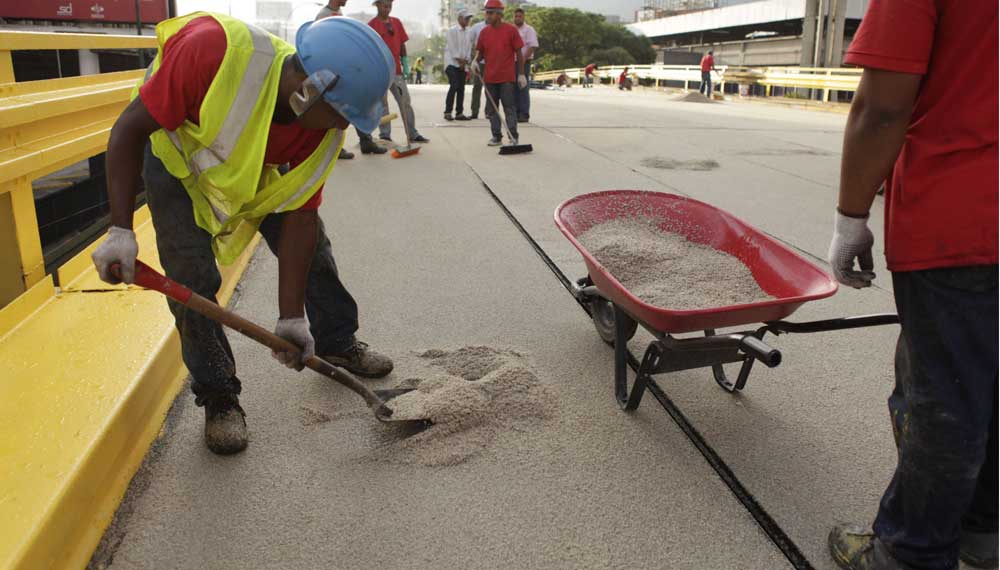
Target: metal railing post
[(21, 261)]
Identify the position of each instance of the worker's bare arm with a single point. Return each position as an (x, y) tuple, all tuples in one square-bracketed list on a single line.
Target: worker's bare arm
[(876, 129), (295, 252), (127, 142)]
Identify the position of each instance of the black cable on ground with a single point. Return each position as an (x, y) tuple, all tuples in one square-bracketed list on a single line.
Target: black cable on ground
[(770, 527)]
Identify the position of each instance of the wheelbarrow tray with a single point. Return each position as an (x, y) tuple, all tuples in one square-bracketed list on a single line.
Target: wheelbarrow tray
[(779, 271)]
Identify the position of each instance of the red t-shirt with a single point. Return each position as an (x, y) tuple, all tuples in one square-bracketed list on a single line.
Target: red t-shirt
[(941, 203), (499, 47), (394, 40), (174, 94), (707, 63), (589, 70)]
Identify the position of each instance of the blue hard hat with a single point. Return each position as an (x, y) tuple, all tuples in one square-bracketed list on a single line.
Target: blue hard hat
[(360, 59)]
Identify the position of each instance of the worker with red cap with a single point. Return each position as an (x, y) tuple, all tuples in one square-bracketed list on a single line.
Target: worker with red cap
[(500, 46)]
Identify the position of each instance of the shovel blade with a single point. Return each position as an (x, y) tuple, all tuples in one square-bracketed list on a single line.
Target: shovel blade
[(385, 414)]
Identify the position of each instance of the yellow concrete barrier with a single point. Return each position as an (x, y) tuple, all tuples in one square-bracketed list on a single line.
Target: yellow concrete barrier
[(89, 374)]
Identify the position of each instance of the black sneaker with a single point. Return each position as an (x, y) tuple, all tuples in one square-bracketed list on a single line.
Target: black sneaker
[(420, 139), (979, 549), (855, 548), (361, 360), (474, 116), (225, 425), (386, 139), (461, 117), (448, 117), (369, 147), (345, 154), (495, 141)]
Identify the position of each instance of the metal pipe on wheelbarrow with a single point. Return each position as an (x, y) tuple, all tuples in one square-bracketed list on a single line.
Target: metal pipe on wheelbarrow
[(756, 348)]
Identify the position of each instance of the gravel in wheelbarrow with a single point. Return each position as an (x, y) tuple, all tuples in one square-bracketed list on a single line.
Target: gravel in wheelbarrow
[(763, 280)]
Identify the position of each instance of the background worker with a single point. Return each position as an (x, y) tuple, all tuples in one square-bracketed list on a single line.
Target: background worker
[(394, 35), (500, 46), (925, 118), (624, 81), (418, 71), (209, 164), (368, 146), (530, 39), (588, 75), (707, 67), (477, 79), (457, 51)]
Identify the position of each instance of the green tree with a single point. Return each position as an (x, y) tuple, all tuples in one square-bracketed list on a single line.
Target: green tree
[(611, 56)]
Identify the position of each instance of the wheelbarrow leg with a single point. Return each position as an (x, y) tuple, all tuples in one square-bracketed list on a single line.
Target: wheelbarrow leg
[(621, 358)]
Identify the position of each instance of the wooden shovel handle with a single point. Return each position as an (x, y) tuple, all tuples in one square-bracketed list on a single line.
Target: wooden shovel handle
[(149, 278)]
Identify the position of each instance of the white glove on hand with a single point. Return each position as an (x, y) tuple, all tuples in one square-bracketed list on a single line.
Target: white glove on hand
[(295, 331), (852, 240), (522, 81), (119, 247), (474, 66)]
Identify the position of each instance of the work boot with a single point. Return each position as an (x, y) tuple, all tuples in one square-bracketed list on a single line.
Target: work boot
[(495, 141), (855, 548), (369, 147), (461, 117), (474, 116), (448, 117), (420, 139), (978, 549), (361, 360), (225, 426), (345, 154)]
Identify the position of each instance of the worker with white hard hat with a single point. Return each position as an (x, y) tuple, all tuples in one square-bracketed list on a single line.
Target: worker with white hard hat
[(221, 107)]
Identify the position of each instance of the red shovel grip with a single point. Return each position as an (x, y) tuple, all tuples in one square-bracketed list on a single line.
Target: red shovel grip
[(146, 276)]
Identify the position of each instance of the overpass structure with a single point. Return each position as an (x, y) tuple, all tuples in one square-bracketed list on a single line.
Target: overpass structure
[(810, 33)]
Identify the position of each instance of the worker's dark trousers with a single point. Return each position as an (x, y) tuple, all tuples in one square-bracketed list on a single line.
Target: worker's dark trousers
[(477, 94), (186, 255), (706, 84), (944, 415), (455, 99), (503, 94), (523, 95)]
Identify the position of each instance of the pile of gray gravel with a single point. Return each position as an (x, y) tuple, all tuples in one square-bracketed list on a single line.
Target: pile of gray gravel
[(666, 270)]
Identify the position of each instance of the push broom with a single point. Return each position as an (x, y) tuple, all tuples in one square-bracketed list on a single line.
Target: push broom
[(510, 148)]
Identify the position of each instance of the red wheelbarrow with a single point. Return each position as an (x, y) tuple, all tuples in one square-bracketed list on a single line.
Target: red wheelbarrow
[(616, 312)]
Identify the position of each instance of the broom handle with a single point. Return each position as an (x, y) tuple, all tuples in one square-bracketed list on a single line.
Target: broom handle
[(146, 276), (496, 108)]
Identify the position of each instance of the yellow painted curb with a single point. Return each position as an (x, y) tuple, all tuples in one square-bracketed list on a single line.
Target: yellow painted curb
[(88, 380)]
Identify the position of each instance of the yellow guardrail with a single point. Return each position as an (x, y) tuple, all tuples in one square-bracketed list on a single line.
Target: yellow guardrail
[(825, 79), (89, 370), (44, 126)]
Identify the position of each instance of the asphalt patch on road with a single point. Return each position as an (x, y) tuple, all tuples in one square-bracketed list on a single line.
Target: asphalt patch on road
[(784, 152), (671, 164)]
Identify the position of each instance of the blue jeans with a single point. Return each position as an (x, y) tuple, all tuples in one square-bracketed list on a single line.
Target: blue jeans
[(706, 84), (502, 94), (944, 415), (186, 255)]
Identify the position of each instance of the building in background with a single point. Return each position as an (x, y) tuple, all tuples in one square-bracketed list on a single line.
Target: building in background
[(810, 33)]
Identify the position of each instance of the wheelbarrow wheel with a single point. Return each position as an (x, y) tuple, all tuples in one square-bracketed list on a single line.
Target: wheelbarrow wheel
[(602, 312)]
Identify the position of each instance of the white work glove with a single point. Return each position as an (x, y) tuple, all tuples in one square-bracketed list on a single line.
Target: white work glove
[(295, 331), (522, 81), (119, 247), (852, 240), (474, 66)]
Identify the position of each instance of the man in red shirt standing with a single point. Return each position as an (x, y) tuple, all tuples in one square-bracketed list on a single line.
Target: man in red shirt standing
[(265, 104), (925, 118), (500, 45), (394, 35), (707, 67)]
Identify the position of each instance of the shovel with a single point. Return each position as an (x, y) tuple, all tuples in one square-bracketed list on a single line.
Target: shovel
[(147, 277)]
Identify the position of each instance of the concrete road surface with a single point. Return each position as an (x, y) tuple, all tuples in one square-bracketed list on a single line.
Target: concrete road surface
[(435, 263)]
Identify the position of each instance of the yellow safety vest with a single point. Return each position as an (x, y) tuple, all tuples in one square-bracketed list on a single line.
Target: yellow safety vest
[(221, 160)]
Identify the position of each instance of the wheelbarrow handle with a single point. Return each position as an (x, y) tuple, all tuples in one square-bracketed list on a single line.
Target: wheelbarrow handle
[(756, 348), (146, 276)]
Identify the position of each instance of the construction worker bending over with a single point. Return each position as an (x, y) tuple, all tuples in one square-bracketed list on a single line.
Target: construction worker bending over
[(223, 104), (500, 45)]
